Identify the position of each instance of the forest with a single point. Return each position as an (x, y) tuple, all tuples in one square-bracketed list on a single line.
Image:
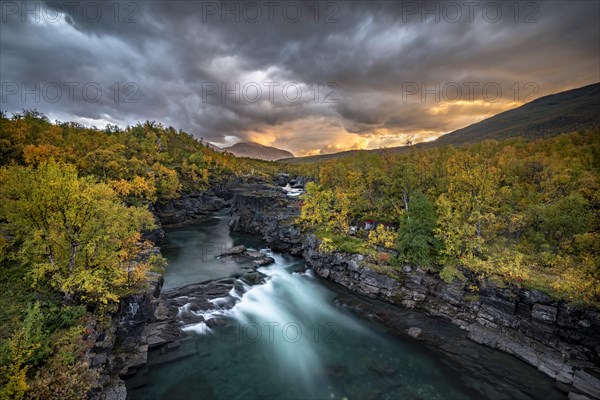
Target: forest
[(75, 202), (523, 212)]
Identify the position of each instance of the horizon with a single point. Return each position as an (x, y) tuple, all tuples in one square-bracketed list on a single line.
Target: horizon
[(335, 77)]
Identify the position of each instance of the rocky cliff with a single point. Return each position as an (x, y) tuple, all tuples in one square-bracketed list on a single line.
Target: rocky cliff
[(562, 340), (121, 348), (188, 207), (265, 210)]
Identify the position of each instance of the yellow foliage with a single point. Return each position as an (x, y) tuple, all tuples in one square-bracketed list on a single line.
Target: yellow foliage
[(34, 155), (327, 245), (139, 187), (383, 236), (576, 280), (72, 230)]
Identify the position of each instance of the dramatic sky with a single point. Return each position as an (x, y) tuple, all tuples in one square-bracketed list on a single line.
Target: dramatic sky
[(303, 77)]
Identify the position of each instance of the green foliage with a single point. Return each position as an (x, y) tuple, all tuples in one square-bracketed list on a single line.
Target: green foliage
[(416, 241), (326, 245), (332, 241), (449, 274), (317, 206), (65, 375), (25, 347), (145, 163), (553, 224)]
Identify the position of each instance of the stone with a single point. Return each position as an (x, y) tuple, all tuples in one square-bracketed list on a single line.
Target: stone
[(98, 360), (551, 335), (418, 296), (235, 250), (354, 264), (575, 396), (281, 179), (533, 296), (116, 390), (587, 383), (544, 313), (264, 261), (451, 295), (498, 316), (566, 374), (378, 280), (414, 332), (369, 289), (584, 323), (408, 303)]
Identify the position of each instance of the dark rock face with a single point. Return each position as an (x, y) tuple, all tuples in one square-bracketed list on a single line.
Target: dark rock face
[(264, 210), (189, 207), (183, 306), (120, 349), (281, 179), (562, 340)]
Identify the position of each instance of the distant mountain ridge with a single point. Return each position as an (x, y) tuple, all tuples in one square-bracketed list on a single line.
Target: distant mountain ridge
[(547, 116), (571, 110), (259, 151)]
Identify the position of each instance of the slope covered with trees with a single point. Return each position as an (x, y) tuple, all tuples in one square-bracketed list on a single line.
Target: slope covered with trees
[(523, 211), (73, 204)]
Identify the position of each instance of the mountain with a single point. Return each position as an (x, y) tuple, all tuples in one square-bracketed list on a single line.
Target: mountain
[(572, 110), (255, 150), (213, 147), (547, 116)]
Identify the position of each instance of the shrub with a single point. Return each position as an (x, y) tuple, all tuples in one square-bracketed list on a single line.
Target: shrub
[(450, 273)]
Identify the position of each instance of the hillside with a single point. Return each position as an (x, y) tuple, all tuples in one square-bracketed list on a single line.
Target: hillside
[(258, 151), (573, 110), (568, 111)]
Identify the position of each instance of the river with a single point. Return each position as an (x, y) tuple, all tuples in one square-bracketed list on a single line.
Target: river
[(294, 337)]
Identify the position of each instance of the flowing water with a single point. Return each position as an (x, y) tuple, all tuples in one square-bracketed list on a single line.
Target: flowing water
[(289, 339)]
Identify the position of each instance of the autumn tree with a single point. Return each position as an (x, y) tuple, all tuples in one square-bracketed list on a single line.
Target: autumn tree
[(71, 231), (466, 210)]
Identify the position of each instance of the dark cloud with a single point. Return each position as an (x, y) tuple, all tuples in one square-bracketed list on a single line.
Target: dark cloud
[(169, 61)]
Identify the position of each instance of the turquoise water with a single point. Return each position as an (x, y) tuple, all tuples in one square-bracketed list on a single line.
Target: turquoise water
[(289, 339)]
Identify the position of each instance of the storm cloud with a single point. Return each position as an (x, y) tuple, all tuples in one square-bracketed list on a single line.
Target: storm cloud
[(304, 76)]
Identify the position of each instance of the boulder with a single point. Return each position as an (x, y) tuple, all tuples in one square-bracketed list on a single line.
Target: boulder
[(544, 313), (414, 332), (235, 250), (588, 383), (260, 262)]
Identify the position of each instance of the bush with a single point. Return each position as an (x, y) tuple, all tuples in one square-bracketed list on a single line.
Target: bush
[(449, 274)]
